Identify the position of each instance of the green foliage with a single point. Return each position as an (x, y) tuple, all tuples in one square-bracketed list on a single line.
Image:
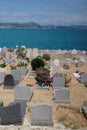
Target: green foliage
[(21, 52), (18, 65), (46, 57), (43, 76), (37, 63), (43, 70), (29, 110), (3, 65), (18, 128), (61, 119), (21, 64)]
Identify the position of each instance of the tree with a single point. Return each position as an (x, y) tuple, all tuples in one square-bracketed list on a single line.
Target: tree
[(46, 57), (37, 63), (21, 52), (2, 65), (43, 76)]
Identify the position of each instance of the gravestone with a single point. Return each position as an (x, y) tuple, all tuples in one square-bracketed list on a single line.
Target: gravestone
[(58, 74), (58, 82), (10, 115), (58, 87), (8, 82), (48, 64), (85, 103), (22, 107), (22, 93), (62, 95), (2, 75), (22, 70), (83, 78), (84, 109), (42, 114), (8, 61), (79, 64), (55, 67), (17, 76)]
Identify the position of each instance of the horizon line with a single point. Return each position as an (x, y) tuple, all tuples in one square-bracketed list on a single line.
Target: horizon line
[(43, 24)]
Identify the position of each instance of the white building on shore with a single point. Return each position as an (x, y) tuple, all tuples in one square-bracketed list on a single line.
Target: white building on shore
[(29, 53), (35, 52)]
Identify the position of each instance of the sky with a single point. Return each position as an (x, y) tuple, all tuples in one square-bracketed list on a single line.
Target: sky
[(58, 12)]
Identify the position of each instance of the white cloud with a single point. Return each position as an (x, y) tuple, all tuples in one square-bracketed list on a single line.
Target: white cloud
[(58, 18)]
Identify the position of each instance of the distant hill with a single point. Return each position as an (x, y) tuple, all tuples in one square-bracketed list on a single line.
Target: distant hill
[(34, 25)]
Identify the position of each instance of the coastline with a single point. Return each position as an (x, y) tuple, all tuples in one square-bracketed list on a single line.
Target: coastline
[(43, 65)]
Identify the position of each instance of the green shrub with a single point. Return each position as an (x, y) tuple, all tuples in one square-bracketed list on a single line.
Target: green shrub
[(43, 76), (21, 64), (46, 57), (3, 65), (37, 63), (21, 52), (18, 65)]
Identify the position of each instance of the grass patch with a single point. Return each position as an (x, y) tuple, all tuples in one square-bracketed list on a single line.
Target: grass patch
[(61, 119), (69, 116), (29, 110), (67, 122), (70, 108)]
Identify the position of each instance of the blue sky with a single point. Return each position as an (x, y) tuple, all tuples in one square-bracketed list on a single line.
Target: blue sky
[(60, 12)]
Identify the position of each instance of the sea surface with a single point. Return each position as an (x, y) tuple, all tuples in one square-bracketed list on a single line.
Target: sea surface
[(44, 38)]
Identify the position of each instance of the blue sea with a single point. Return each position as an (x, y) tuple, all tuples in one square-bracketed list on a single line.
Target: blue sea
[(44, 38)]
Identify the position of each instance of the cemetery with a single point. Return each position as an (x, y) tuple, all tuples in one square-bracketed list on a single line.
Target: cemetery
[(40, 97)]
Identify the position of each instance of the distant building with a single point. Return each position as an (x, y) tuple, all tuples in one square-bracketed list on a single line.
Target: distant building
[(74, 51), (29, 53), (35, 52)]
